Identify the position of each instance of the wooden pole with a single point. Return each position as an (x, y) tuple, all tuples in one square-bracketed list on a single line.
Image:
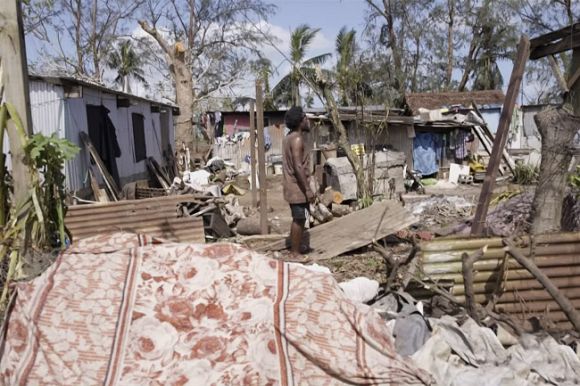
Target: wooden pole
[(253, 155), (14, 72), (261, 157), (501, 136)]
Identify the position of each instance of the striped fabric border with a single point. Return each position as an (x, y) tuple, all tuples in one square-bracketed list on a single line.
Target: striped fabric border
[(36, 306), (125, 314), (286, 377)]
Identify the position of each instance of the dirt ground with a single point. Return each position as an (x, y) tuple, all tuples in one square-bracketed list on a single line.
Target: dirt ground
[(279, 215), (364, 262)]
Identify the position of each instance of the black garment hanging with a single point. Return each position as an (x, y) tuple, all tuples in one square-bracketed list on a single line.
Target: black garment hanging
[(103, 135)]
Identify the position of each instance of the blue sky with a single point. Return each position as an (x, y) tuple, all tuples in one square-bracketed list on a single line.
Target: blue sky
[(329, 15)]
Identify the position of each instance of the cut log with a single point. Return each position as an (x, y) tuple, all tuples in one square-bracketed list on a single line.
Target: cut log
[(249, 226), (557, 126), (339, 210), (327, 197)]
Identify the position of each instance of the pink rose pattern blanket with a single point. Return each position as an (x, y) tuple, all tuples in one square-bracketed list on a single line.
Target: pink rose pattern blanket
[(125, 309)]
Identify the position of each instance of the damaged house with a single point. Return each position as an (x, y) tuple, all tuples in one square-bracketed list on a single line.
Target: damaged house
[(125, 129)]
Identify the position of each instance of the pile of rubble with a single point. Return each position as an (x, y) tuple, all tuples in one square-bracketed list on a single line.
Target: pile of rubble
[(442, 210), (512, 216)]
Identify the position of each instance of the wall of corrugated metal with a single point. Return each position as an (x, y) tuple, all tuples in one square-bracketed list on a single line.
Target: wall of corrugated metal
[(67, 117), (46, 102), (558, 255)]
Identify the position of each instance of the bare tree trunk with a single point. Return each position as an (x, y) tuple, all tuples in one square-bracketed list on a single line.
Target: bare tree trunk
[(80, 70), (450, 34), (184, 94), (126, 84), (353, 159), (470, 60), (184, 99), (557, 126)]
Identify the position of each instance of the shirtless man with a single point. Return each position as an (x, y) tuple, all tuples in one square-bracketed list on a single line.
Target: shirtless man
[(296, 174)]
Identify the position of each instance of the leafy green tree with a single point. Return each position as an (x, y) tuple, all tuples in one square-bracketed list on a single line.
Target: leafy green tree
[(346, 50), (287, 91), (128, 64)]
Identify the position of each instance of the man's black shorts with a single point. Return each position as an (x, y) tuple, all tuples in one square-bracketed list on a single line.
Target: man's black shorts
[(299, 211)]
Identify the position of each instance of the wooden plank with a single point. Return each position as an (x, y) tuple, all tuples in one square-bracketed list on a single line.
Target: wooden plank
[(109, 181), (567, 42), (501, 136), (488, 146), (100, 194), (261, 157), (14, 73), (490, 137), (354, 231), (555, 35), (253, 155)]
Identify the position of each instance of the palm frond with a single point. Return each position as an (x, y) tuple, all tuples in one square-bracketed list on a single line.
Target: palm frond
[(300, 39), (320, 59)]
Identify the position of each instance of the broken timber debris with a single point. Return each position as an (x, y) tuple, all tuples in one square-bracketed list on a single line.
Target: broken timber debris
[(109, 181), (353, 231)]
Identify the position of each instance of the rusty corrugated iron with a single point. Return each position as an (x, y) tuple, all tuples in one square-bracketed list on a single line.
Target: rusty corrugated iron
[(154, 216), (558, 255)]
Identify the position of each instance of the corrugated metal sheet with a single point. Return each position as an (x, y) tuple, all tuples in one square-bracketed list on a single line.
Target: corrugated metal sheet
[(236, 152), (47, 108), (154, 216), (558, 255)]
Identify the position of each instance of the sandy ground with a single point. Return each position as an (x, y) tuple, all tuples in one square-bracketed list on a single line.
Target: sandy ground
[(279, 215)]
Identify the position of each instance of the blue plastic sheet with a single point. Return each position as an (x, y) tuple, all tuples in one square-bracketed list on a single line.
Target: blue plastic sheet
[(427, 148)]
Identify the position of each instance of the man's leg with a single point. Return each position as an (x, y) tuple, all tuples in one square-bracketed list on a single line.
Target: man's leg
[(297, 227), (296, 231)]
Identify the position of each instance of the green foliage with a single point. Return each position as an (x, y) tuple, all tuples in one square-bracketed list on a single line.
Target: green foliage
[(574, 178), (128, 64), (526, 174), (40, 216), (48, 155), (287, 91), (365, 202)]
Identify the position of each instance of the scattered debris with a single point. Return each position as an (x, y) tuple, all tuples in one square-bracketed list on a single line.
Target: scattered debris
[(353, 231), (441, 210)]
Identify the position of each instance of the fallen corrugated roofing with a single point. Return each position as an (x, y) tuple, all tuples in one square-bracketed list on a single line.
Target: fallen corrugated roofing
[(557, 255), (156, 217)]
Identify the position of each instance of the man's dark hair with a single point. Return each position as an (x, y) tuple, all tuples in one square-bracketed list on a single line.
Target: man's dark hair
[(294, 117)]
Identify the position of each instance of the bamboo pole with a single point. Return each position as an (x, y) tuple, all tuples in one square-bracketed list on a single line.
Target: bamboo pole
[(449, 244), (563, 301), (492, 265)]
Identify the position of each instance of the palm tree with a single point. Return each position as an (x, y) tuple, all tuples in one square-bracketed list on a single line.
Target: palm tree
[(128, 65), (262, 67), (345, 48), (287, 91)]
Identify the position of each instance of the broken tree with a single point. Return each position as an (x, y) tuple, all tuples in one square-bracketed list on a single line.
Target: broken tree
[(558, 127)]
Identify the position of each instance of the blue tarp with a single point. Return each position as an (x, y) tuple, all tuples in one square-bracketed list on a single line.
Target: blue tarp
[(427, 148)]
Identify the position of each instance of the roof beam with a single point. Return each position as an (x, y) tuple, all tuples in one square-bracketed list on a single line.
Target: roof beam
[(555, 42)]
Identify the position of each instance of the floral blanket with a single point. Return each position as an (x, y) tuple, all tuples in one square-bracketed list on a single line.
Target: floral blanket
[(125, 309)]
